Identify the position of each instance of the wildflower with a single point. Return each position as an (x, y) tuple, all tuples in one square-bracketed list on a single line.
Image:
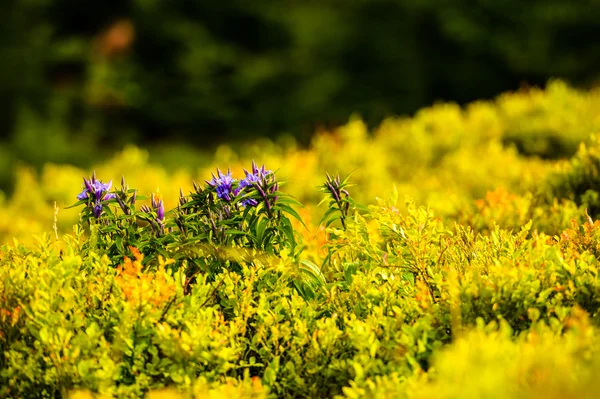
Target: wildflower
[(97, 210), (96, 192), (122, 197), (97, 189), (257, 175), (224, 185), (263, 181), (249, 202), (157, 204), (335, 187)]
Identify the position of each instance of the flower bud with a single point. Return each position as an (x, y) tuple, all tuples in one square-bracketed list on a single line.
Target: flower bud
[(97, 210), (160, 211)]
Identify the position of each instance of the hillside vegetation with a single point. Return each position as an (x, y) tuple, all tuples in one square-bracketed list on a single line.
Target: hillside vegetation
[(452, 254)]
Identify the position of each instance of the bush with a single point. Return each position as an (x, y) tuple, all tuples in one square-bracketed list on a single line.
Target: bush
[(232, 287)]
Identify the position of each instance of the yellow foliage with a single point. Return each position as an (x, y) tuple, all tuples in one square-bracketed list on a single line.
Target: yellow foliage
[(81, 394), (491, 365), (165, 394), (252, 389)]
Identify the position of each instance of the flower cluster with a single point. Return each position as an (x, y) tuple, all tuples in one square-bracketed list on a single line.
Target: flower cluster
[(336, 188), (340, 197), (96, 192), (260, 179), (254, 179), (159, 208), (224, 185), (123, 198), (258, 189), (257, 175)]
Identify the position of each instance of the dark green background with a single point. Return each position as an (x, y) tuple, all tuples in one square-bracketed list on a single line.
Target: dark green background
[(200, 72)]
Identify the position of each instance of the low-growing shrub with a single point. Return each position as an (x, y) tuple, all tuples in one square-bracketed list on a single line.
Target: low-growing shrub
[(483, 283), (124, 311)]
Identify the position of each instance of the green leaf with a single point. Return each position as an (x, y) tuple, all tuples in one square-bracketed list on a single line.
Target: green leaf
[(289, 200), (313, 270), (236, 232), (261, 226), (325, 199), (289, 234), (327, 215), (331, 219), (291, 211), (80, 202)]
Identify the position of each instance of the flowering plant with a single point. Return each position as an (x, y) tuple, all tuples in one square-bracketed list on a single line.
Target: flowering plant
[(95, 195), (210, 230), (339, 200)]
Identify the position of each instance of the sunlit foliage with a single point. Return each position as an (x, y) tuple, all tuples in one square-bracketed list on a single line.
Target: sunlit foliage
[(453, 254)]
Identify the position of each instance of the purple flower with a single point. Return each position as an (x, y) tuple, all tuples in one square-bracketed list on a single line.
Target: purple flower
[(249, 202), (256, 176), (160, 211), (100, 191), (158, 206), (83, 195), (97, 210), (96, 191), (158, 225), (224, 185)]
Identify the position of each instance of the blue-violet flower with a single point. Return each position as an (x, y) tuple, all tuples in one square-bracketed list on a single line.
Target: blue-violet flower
[(255, 177), (158, 206), (249, 202), (96, 191), (224, 185)]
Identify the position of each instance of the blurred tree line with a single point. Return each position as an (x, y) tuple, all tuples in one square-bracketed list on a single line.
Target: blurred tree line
[(78, 76)]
